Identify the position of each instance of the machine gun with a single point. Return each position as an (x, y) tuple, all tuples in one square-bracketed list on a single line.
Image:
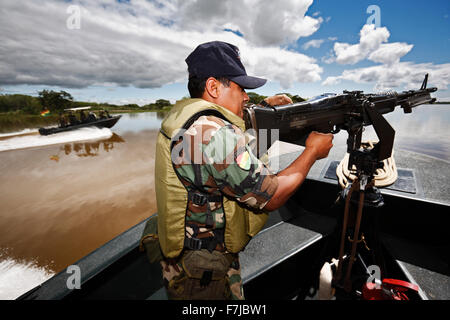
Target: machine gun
[(330, 113)]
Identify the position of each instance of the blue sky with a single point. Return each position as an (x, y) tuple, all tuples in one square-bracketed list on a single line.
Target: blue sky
[(133, 51), (425, 24)]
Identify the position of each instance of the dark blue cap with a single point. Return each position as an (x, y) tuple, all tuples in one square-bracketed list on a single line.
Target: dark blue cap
[(220, 59)]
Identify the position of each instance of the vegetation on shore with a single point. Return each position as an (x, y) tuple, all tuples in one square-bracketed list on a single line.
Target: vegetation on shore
[(442, 102), (56, 102), (18, 111), (14, 121)]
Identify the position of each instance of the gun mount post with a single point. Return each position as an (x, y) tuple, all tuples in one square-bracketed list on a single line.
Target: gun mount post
[(364, 162)]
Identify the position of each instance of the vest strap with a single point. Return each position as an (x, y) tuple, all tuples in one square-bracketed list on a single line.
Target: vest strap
[(206, 243), (193, 243), (200, 199)]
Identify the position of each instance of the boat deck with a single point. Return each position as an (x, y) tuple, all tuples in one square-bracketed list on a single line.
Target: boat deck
[(422, 179)]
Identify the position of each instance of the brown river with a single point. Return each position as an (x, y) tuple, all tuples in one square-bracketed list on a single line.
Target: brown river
[(63, 196)]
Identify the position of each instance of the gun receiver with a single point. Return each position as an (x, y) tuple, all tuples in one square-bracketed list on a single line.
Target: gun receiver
[(330, 113)]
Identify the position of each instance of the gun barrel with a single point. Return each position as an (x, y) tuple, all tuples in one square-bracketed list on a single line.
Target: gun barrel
[(330, 113)]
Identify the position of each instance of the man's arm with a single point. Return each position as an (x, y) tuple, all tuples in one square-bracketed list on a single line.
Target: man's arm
[(317, 147), (235, 170)]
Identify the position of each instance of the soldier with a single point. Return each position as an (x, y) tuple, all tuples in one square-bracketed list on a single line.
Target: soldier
[(62, 120), (72, 119), (213, 193), (83, 117)]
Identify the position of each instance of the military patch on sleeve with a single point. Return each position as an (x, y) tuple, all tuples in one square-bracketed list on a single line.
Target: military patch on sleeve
[(243, 160)]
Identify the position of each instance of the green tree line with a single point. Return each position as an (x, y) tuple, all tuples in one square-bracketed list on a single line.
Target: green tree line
[(256, 98), (56, 102)]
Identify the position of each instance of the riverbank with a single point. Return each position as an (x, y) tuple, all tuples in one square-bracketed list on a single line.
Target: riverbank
[(18, 121), (12, 121)]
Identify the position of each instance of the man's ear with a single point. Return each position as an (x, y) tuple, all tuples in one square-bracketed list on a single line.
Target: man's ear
[(212, 87)]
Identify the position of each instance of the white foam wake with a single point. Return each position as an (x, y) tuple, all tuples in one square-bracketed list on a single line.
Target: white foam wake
[(17, 278), (18, 133), (30, 141)]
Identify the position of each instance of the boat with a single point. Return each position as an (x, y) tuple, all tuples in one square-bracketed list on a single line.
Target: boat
[(285, 260), (103, 120)]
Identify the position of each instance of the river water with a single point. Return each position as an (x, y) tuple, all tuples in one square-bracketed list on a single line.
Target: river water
[(63, 196)]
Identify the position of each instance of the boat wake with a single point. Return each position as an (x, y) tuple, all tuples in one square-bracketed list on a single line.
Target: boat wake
[(31, 139), (17, 278), (18, 133)]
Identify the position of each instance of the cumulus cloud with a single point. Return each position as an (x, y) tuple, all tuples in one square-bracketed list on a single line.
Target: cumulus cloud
[(281, 65), (390, 53), (406, 75), (370, 40), (144, 43), (262, 22), (315, 43), (391, 73), (372, 45)]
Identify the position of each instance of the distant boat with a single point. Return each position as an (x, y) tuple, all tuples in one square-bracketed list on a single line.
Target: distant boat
[(103, 120)]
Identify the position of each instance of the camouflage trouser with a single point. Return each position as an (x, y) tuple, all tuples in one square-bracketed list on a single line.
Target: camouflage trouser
[(185, 279)]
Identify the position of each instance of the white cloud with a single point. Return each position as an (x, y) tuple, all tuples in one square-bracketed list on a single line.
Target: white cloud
[(284, 66), (390, 53), (391, 74), (406, 75), (370, 40), (315, 43), (144, 43), (262, 22), (372, 45)]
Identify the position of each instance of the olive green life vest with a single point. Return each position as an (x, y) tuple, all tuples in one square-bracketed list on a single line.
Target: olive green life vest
[(240, 224)]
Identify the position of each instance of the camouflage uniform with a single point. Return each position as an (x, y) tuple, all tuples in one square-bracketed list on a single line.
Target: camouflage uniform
[(216, 156)]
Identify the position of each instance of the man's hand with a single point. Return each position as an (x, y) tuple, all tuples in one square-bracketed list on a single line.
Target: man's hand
[(317, 147), (278, 100), (319, 143)]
